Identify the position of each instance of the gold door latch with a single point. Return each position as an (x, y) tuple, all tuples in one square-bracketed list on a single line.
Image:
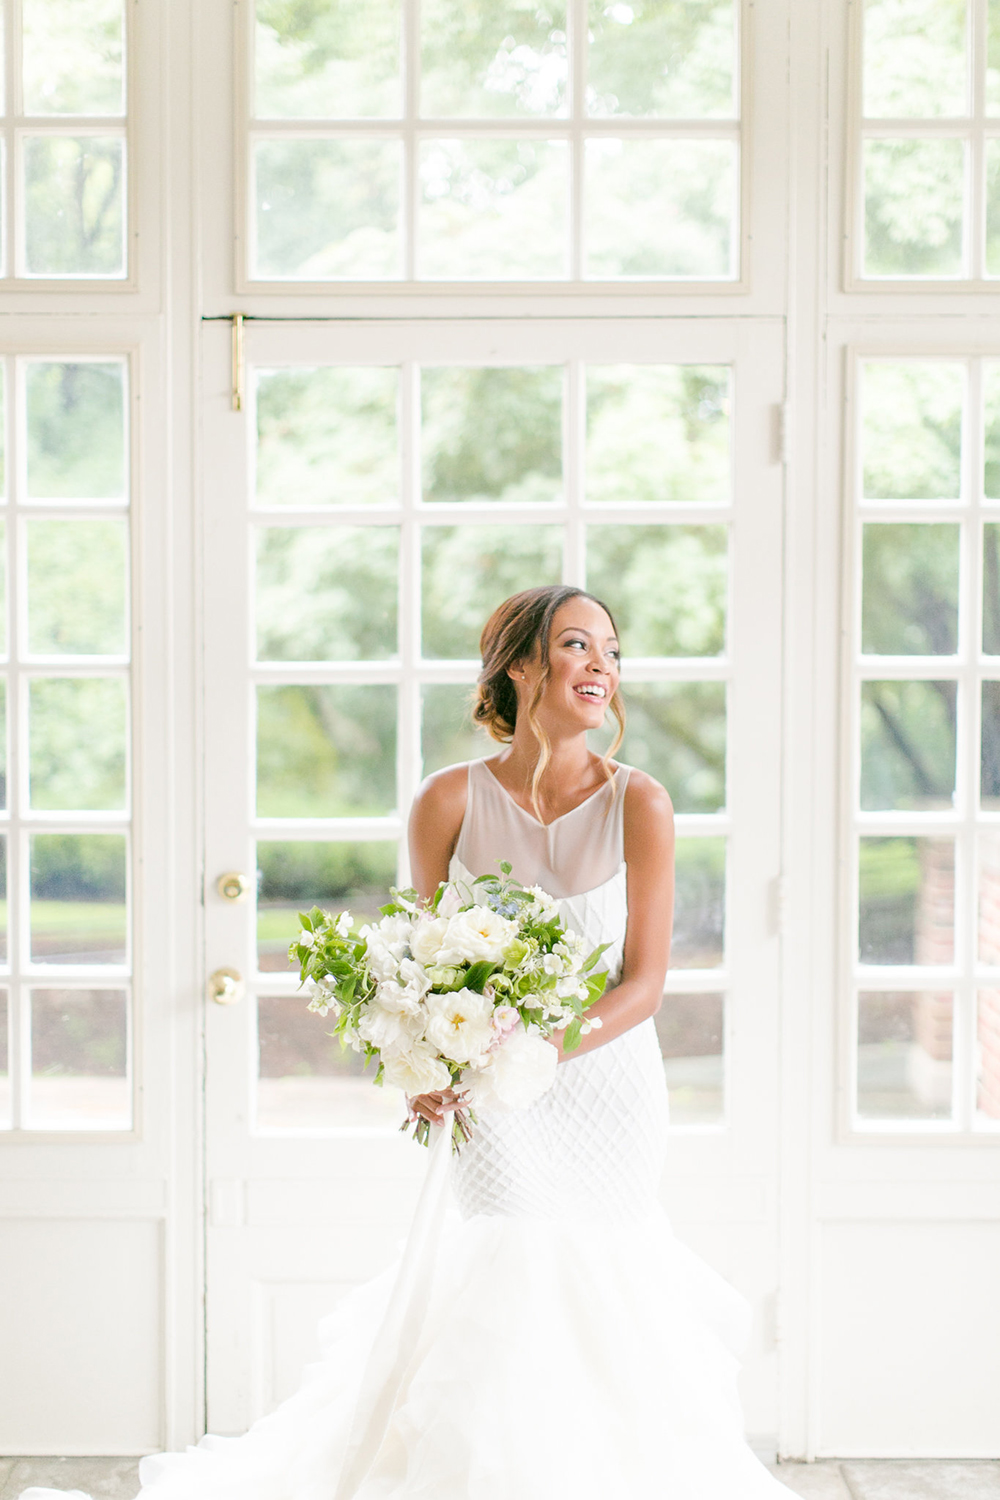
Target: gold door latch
[(225, 986), (234, 886)]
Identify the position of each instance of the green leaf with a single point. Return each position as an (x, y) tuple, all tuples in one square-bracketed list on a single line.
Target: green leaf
[(571, 1036), (592, 958), (478, 974)]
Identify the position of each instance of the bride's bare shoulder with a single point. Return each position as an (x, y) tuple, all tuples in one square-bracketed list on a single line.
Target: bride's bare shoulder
[(646, 802), (444, 794)]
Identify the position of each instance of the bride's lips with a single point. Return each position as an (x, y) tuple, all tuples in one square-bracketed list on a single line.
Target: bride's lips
[(595, 692)]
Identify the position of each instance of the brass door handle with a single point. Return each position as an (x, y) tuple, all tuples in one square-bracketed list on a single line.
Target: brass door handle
[(234, 886), (225, 986)]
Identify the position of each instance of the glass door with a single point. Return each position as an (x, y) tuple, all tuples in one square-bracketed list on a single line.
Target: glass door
[(384, 487)]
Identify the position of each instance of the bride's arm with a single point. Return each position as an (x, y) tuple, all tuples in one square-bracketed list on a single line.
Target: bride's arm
[(649, 858), (435, 820)]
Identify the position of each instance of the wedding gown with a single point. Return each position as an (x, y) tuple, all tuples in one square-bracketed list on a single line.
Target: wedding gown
[(556, 1342)]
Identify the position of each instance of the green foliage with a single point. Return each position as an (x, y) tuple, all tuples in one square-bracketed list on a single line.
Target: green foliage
[(914, 199), (912, 430), (327, 58), (327, 436), (661, 57), (888, 887), (665, 585), (78, 734), (907, 744), (699, 903), (915, 63), (336, 872), (658, 432), (77, 583), (910, 589), (74, 205), (78, 866), (73, 56), (327, 209), (469, 570), (326, 751), (493, 57), (326, 593), (492, 434), (76, 430)]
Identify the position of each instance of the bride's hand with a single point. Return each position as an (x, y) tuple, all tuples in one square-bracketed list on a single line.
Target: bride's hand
[(434, 1107)]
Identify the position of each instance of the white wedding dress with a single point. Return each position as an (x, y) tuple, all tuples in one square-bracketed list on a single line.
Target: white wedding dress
[(555, 1342)]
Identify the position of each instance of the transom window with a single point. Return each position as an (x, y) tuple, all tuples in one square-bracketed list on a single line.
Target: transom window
[(494, 141), (927, 727), (64, 140), (392, 509), (65, 1034), (928, 178)]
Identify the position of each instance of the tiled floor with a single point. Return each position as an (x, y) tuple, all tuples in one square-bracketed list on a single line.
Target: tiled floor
[(850, 1479)]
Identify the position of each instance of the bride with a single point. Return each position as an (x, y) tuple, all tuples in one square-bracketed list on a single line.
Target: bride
[(556, 1342)]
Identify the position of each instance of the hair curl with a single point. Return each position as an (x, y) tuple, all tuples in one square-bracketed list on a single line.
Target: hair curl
[(513, 632)]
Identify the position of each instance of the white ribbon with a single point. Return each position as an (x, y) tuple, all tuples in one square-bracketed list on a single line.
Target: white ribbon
[(386, 1373)]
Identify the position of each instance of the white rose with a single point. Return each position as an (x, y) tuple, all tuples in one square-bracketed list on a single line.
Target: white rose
[(413, 977), (479, 933), (385, 1028), (426, 939), (460, 1025), (343, 924), (416, 1070), (520, 1071), (398, 997)]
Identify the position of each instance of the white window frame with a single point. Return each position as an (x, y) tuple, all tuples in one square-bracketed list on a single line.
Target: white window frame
[(412, 128)]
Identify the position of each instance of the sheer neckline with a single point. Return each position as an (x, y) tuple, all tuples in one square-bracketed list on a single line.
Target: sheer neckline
[(608, 785), (614, 878)]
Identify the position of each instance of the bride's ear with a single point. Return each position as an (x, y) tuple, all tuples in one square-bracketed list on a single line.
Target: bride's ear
[(516, 671)]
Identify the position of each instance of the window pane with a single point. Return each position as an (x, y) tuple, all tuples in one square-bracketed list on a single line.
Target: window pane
[(5, 1099), (991, 589), (915, 59), (989, 774), (658, 432), (73, 57), (3, 744), (76, 431), (988, 1055), (3, 426), (699, 904), (493, 210), (993, 57), (78, 898), (690, 1033), (910, 590), (327, 437), (77, 573), (665, 585), (912, 431), (447, 733), (907, 745), (496, 57), (326, 593), (992, 153), (294, 877), (3, 586), (327, 210), (74, 205), (654, 57), (306, 1081), (692, 235), (336, 60), (326, 752), (906, 901), (914, 195), (677, 732), (3, 903), (469, 570), (904, 1056), (989, 896), (78, 734), (79, 1061), (492, 434)]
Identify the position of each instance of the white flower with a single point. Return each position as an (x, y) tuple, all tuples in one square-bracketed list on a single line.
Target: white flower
[(416, 1070), (343, 924), (450, 904), (306, 938), (414, 977), (517, 1073), (479, 933), (387, 942), (427, 937), (388, 1029), (460, 1025), (544, 907), (400, 999), (504, 1019)]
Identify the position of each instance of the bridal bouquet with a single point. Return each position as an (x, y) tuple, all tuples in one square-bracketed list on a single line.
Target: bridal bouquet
[(460, 992)]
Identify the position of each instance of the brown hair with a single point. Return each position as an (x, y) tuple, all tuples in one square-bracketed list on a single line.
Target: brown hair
[(511, 634)]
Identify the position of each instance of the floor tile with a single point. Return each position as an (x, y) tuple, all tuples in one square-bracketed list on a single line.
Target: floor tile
[(102, 1478), (896, 1479), (820, 1481)]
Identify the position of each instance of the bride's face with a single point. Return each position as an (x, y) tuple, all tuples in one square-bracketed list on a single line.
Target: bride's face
[(584, 667)]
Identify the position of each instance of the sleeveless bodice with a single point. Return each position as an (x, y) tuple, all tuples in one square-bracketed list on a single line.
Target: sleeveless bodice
[(591, 1147)]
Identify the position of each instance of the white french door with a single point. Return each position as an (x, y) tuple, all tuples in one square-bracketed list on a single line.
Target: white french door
[(383, 487)]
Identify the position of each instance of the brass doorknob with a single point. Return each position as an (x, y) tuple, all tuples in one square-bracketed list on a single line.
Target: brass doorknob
[(225, 986), (233, 886)]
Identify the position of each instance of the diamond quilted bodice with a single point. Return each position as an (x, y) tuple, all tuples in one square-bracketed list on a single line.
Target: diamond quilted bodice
[(592, 1147)]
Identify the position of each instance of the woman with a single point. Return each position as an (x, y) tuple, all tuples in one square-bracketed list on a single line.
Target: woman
[(558, 1343)]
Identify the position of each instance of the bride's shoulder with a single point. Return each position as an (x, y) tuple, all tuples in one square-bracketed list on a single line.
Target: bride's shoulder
[(645, 799), (444, 793)]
